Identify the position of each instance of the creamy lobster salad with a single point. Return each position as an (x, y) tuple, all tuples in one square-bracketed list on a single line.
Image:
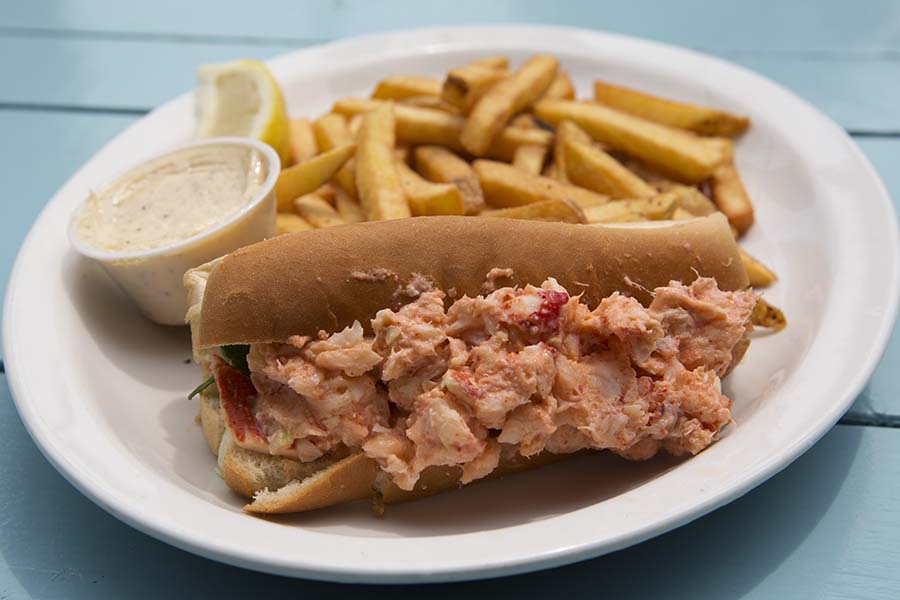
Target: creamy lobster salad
[(524, 370)]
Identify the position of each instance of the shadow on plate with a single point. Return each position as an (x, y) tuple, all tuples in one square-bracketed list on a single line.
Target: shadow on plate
[(548, 491), (130, 341)]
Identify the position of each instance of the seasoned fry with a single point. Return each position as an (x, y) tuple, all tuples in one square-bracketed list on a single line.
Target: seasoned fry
[(505, 186), (680, 214), (552, 171), (290, 223), (598, 171), (566, 130), (530, 158), (443, 166), (305, 177), (380, 191), (504, 99), (524, 120), (423, 126), (354, 122), (561, 88), (348, 208), (510, 138), (464, 86), (731, 197), (399, 87), (317, 211), (492, 62), (759, 274), (680, 153), (427, 198), (326, 192), (302, 141), (331, 131), (658, 208), (432, 102), (768, 316), (688, 198), (564, 211), (699, 119)]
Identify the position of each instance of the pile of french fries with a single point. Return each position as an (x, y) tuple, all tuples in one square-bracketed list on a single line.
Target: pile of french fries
[(490, 140)]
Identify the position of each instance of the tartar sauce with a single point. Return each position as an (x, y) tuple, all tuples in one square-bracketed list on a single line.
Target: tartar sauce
[(175, 212), (172, 198)]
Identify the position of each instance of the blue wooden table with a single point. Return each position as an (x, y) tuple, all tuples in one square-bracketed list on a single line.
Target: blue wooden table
[(76, 73)]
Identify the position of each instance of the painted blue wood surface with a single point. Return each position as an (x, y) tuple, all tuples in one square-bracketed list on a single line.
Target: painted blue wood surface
[(766, 25), (828, 527), (858, 91)]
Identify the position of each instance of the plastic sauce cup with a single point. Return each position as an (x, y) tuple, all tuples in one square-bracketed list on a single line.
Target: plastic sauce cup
[(152, 278)]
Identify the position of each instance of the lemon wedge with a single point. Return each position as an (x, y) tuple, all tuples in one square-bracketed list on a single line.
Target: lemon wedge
[(242, 98)]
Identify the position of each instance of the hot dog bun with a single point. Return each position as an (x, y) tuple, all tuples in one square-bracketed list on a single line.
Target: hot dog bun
[(328, 278)]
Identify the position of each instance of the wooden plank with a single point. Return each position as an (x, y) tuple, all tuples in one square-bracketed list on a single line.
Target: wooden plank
[(826, 525), (734, 24), (108, 73), (139, 74)]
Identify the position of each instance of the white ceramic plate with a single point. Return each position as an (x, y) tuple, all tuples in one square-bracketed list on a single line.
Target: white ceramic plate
[(102, 391)]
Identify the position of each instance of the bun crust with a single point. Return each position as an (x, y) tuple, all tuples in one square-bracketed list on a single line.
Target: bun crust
[(325, 279)]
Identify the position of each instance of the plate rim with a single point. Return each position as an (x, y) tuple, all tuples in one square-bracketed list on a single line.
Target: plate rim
[(16, 377)]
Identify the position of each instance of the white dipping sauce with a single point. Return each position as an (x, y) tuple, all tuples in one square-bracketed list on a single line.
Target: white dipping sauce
[(175, 212), (172, 198)]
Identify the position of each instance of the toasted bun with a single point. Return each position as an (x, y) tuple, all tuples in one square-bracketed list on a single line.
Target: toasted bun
[(327, 278)]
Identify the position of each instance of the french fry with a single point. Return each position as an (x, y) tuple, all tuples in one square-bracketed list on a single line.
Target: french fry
[(423, 126), (347, 207), (561, 88), (504, 99), (401, 153), (353, 124), (680, 214), (305, 177), (505, 186), (657, 208), (290, 223), (399, 87), (317, 211), (530, 158), (377, 182), (680, 153), (552, 171), (688, 198), (433, 102), (426, 198), (565, 131), (302, 141), (443, 166), (768, 316), (327, 192), (492, 62), (331, 131), (464, 86), (511, 138), (699, 119), (760, 275), (524, 120), (731, 197), (564, 211), (598, 171)]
